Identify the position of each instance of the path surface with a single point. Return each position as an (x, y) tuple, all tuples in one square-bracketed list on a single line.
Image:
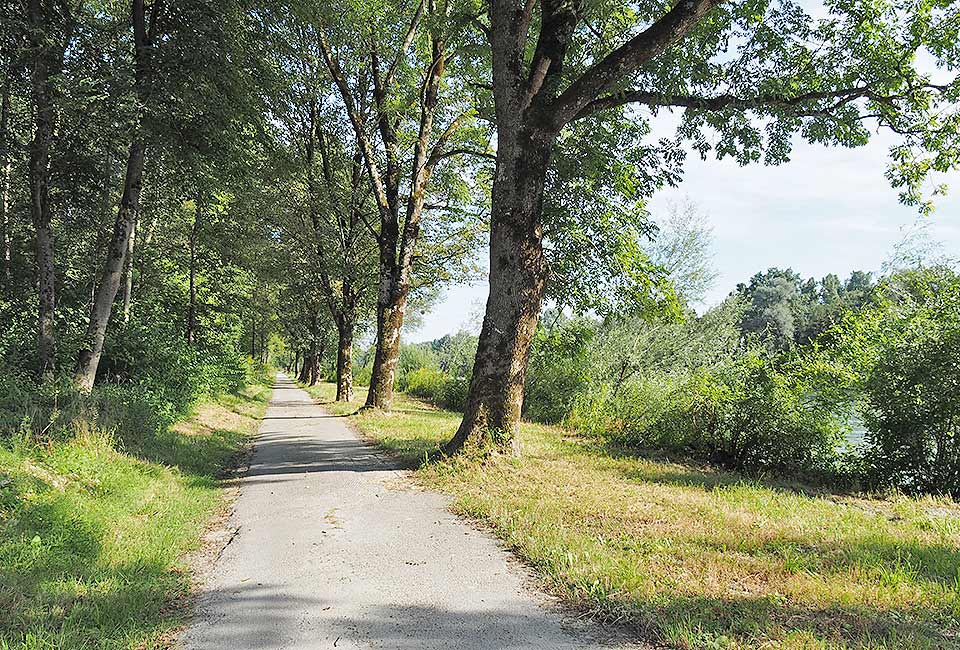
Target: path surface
[(335, 548)]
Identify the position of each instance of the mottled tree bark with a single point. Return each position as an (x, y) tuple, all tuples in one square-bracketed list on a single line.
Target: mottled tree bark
[(397, 244), (346, 322), (532, 108), (304, 375), (518, 274), (391, 308), (45, 65), (191, 329), (128, 272), (89, 357), (343, 304)]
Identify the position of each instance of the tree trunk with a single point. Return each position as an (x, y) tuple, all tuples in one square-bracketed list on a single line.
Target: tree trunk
[(518, 273), (391, 308), (312, 366), (89, 359), (128, 272), (345, 329), (192, 308), (46, 64), (304, 375), (5, 172)]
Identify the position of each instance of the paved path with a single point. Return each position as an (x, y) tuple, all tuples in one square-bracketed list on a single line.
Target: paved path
[(335, 548)]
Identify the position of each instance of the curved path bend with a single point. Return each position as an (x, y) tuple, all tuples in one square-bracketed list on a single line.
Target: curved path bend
[(332, 547)]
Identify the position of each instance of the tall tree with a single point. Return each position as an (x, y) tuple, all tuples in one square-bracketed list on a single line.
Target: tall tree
[(337, 197), (400, 199), (50, 27), (730, 66), (145, 32)]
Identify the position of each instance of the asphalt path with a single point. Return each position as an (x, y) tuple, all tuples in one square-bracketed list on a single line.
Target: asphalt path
[(331, 546)]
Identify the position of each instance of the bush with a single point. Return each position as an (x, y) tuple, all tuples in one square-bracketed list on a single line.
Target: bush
[(149, 378), (912, 386), (558, 369), (620, 413), (426, 383), (742, 414), (453, 393), (439, 388), (748, 415), (412, 358)]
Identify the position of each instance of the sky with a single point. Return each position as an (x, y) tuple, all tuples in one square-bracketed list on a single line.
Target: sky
[(828, 210)]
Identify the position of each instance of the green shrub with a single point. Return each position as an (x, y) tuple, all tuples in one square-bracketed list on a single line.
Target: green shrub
[(912, 385), (412, 358), (748, 415), (558, 369), (453, 393), (742, 414), (620, 413), (439, 388), (426, 383)]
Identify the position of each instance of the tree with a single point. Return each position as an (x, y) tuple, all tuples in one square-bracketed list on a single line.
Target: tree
[(337, 198), (145, 26), (49, 30), (683, 247), (403, 71), (188, 98), (786, 72), (770, 314)]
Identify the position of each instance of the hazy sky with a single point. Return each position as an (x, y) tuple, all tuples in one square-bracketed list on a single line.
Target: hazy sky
[(828, 210)]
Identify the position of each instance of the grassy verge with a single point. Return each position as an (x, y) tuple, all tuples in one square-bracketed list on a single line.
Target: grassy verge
[(92, 530), (697, 558)]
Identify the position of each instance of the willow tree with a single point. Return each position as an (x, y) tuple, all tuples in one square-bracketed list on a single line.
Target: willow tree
[(747, 77)]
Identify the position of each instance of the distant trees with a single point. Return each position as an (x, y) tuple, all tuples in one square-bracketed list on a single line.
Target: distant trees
[(783, 310)]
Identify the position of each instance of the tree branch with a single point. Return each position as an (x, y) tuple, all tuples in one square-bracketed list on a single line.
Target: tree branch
[(407, 42), (368, 154), (729, 101), (629, 57)]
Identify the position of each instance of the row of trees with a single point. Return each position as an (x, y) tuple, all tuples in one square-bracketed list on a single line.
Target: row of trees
[(869, 401), (349, 159), (126, 140)]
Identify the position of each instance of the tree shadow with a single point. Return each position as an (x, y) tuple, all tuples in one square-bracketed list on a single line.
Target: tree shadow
[(265, 616), (61, 582), (60, 587), (268, 616)]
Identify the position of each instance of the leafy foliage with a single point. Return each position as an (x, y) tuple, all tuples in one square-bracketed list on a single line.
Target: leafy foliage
[(905, 350)]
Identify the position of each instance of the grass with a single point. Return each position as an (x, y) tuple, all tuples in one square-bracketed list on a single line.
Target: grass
[(695, 558), (93, 529)]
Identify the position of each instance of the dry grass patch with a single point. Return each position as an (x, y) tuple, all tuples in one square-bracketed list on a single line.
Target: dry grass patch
[(696, 558)]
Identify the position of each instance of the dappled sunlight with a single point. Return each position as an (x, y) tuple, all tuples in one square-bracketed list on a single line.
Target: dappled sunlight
[(94, 528)]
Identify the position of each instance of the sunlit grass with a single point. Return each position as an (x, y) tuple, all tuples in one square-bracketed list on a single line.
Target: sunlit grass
[(696, 558), (92, 530)]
